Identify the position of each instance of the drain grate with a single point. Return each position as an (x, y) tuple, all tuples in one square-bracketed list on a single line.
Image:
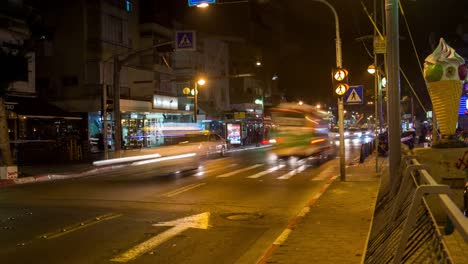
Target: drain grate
[(242, 216)]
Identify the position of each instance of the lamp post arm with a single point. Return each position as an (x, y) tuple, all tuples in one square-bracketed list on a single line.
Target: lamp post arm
[(339, 60)]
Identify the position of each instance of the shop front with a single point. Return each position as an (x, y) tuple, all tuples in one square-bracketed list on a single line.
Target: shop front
[(145, 124), (40, 132), (245, 128)]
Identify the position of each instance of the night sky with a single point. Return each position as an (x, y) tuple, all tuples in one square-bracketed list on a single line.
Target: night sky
[(304, 52)]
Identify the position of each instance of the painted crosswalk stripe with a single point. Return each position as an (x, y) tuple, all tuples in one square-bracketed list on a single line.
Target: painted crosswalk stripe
[(225, 175), (183, 189), (204, 172), (260, 174), (292, 173)]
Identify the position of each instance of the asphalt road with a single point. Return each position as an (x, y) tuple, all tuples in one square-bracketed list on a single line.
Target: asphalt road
[(229, 210)]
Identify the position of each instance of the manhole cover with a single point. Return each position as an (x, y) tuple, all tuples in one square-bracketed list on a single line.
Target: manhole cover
[(243, 216)]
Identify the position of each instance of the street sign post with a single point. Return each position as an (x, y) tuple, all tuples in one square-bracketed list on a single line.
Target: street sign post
[(380, 46), (197, 2), (185, 40), (355, 95)]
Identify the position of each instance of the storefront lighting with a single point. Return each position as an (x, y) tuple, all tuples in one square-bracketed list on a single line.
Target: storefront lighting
[(203, 5)]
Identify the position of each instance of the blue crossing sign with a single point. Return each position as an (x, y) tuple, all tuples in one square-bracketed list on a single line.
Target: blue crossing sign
[(185, 40), (355, 95), (197, 2)]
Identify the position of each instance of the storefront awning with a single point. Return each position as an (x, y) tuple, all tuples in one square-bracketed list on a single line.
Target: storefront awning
[(36, 108)]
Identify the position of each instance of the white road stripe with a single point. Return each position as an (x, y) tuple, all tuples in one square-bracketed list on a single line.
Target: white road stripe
[(183, 189), (292, 173), (280, 240), (238, 171), (203, 172), (260, 174)]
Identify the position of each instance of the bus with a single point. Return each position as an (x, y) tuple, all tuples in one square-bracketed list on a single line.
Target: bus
[(300, 131)]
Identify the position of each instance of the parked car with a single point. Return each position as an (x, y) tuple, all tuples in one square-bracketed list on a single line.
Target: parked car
[(201, 143), (352, 132)]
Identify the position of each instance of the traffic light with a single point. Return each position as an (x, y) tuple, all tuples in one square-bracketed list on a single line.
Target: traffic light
[(340, 81)]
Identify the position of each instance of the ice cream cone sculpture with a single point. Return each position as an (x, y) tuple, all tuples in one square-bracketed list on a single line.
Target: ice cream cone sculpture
[(444, 72)]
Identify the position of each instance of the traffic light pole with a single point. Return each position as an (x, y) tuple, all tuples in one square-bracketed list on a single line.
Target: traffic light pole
[(195, 103), (339, 63)]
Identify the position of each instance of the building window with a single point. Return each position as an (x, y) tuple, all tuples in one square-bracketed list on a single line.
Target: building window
[(115, 29)]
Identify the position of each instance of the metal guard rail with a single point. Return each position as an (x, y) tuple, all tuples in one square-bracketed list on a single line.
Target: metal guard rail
[(403, 228)]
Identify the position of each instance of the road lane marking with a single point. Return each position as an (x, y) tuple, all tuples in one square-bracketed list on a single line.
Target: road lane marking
[(238, 171), (81, 225), (203, 172), (292, 173), (183, 189), (260, 174), (200, 221), (284, 235)]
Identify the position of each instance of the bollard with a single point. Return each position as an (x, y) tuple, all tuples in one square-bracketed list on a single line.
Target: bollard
[(361, 156)]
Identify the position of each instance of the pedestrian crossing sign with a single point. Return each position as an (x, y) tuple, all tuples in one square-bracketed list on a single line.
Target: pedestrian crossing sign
[(185, 40), (355, 95)]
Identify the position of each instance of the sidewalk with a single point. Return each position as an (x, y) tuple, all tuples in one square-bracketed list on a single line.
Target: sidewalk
[(335, 227)]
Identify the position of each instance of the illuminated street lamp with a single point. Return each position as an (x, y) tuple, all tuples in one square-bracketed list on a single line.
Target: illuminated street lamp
[(258, 63), (300, 103), (371, 69), (318, 106), (200, 82)]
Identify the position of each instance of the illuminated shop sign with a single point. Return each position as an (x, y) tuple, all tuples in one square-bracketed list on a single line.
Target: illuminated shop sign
[(165, 102)]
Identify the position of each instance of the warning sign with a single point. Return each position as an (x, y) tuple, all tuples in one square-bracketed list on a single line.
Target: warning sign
[(185, 40), (355, 95)]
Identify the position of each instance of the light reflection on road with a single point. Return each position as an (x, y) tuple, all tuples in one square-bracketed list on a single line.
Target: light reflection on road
[(353, 145)]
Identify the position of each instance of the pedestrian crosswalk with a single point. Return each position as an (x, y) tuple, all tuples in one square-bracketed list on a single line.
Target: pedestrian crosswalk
[(280, 172), (229, 174)]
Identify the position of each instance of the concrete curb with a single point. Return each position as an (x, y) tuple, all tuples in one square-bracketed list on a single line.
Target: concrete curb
[(49, 177)]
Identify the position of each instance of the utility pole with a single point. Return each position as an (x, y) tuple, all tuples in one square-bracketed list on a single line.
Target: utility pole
[(376, 94), (393, 90), (116, 105), (118, 64), (195, 102)]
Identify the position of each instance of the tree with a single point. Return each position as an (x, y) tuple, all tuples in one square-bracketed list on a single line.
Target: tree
[(14, 67)]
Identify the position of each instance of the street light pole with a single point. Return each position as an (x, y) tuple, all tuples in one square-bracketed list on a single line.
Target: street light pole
[(116, 105), (376, 95), (340, 100), (393, 89), (195, 102), (118, 64)]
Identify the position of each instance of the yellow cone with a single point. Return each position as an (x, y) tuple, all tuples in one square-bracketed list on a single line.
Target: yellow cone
[(445, 96)]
